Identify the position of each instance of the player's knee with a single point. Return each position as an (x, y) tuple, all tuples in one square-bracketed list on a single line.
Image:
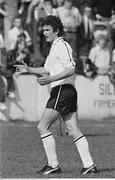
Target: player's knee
[(73, 132), (70, 131), (42, 128)]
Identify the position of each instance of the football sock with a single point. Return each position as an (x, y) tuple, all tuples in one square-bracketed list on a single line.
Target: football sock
[(83, 149), (50, 149)]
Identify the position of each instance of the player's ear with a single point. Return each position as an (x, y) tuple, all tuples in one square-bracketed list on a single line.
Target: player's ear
[(57, 31)]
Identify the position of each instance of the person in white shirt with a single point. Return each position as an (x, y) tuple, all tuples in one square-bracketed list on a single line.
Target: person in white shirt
[(71, 20), (59, 72), (15, 32), (100, 54)]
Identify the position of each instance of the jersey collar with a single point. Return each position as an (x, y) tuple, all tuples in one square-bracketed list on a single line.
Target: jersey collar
[(55, 41)]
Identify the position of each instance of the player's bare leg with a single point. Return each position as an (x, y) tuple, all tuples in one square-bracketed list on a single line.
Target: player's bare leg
[(80, 142), (48, 117)]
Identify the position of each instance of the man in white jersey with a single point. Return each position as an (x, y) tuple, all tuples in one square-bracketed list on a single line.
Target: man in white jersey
[(59, 71)]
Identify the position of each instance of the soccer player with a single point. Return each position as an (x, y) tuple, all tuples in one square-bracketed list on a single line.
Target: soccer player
[(59, 71)]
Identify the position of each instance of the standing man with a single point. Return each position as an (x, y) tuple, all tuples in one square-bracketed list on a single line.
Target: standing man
[(71, 20), (11, 7), (59, 71), (86, 29)]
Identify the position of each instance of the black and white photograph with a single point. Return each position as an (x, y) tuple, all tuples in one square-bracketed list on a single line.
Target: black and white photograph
[(57, 89)]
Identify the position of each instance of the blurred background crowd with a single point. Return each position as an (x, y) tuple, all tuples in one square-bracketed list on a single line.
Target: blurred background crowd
[(89, 27)]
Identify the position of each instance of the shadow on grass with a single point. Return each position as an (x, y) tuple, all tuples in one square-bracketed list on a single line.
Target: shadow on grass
[(106, 170)]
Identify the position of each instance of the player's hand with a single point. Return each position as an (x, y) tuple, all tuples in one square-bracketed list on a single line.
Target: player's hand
[(44, 80), (23, 68)]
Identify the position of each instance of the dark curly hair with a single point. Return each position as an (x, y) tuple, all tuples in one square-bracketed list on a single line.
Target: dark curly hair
[(55, 22)]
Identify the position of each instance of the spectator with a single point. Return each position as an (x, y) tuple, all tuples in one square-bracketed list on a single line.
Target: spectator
[(71, 20), (16, 56), (100, 54), (100, 28), (86, 29), (2, 94), (22, 52), (58, 3), (15, 31), (2, 84), (2, 14), (6, 74), (103, 9), (111, 72), (11, 7), (48, 8), (23, 9), (10, 85), (112, 25), (1, 47), (104, 29)]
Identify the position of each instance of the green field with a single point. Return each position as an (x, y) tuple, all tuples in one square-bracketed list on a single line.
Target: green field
[(22, 153)]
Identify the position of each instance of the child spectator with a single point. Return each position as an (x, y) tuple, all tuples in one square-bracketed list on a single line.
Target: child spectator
[(16, 56), (100, 54), (14, 33)]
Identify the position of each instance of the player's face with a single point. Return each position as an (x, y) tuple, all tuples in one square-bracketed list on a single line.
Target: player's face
[(49, 34)]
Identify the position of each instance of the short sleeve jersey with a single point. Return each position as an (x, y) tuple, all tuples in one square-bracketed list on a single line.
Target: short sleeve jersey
[(59, 59), (100, 57)]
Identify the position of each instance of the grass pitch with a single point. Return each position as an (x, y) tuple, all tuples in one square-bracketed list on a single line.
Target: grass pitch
[(22, 153)]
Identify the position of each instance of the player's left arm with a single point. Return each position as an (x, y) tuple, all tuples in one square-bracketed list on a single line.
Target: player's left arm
[(64, 74)]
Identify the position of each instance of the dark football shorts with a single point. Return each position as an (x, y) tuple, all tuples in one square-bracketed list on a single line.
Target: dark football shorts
[(63, 98)]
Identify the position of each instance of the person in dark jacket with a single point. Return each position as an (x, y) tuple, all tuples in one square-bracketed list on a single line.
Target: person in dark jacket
[(17, 56)]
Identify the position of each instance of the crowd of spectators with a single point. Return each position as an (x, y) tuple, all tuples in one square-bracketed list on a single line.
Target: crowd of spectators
[(89, 27)]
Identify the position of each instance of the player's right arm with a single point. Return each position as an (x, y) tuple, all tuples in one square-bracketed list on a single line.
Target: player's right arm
[(40, 71)]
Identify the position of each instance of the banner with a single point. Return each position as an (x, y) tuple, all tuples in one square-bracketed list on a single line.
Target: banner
[(96, 98)]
